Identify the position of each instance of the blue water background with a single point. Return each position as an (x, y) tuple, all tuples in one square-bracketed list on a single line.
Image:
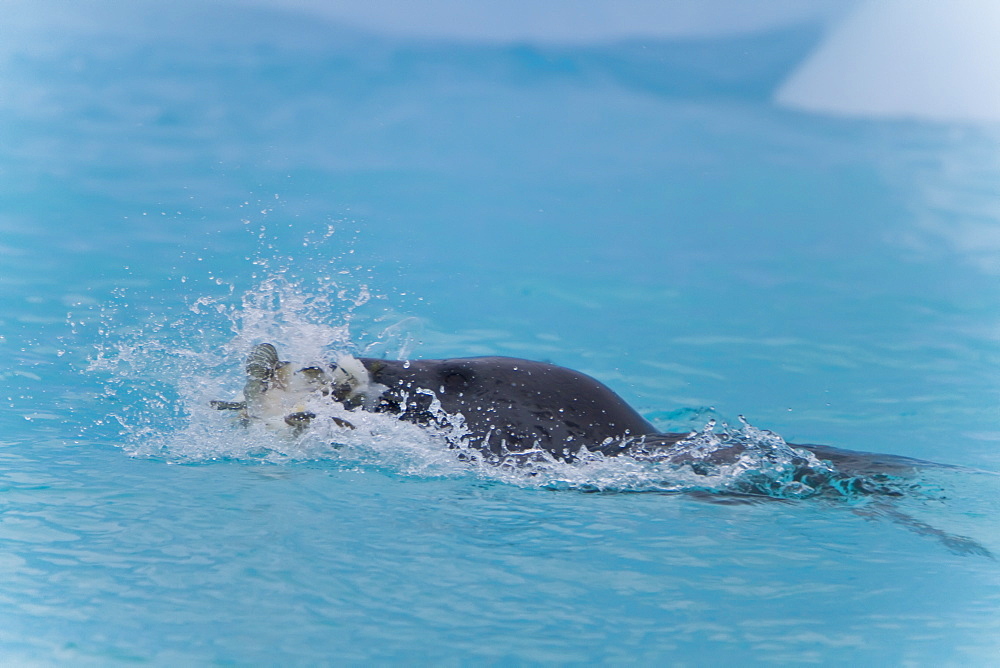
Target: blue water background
[(178, 182)]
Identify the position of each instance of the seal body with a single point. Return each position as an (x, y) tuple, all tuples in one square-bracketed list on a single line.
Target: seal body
[(512, 405)]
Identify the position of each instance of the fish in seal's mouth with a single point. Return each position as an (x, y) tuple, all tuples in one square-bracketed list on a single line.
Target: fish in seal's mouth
[(281, 395)]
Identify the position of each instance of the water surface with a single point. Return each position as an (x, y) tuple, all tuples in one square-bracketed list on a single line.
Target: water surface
[(179, 186)]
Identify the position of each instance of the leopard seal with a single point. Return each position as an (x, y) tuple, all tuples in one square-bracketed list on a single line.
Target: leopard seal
[(507, 404)]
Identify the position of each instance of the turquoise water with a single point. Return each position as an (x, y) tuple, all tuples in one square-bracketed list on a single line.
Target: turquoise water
[(180, 185)]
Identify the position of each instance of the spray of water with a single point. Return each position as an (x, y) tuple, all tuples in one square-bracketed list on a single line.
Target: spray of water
[(160, 378)]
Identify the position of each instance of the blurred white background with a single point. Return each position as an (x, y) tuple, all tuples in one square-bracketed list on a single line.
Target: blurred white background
[(936, 60)]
